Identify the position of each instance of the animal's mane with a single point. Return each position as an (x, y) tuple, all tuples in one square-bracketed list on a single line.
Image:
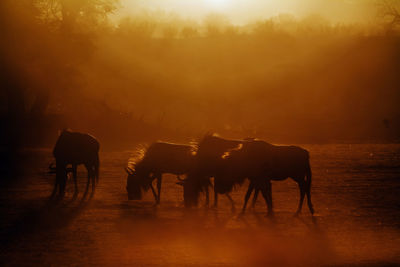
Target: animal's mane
[(137, 156), (192, 145)]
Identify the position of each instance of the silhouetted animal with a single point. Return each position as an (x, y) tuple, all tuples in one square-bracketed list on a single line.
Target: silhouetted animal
[(209, 163), (262, 162), (75, 148), (159, 158)]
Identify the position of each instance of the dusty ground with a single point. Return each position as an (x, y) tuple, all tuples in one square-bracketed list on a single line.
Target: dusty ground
[(356, 194)]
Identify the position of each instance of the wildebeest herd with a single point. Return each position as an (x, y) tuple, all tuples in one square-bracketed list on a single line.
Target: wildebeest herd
[(213, 162)]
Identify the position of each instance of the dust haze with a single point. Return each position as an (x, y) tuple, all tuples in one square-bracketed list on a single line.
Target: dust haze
[(322, 74), (287, 78)]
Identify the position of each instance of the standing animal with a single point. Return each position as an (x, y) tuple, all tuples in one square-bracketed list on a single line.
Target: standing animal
[(73, 148), (160, 158), (264, 162)]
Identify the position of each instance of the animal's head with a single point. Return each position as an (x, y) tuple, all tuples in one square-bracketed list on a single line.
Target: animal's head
[(136, 183)]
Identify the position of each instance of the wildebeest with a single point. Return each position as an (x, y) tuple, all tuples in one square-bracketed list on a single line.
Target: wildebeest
[(159, 158), (75, 148), (209, 163), (262, 162)]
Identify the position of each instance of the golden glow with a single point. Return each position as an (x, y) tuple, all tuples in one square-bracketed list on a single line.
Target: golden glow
[(244, 11), (219, 4)]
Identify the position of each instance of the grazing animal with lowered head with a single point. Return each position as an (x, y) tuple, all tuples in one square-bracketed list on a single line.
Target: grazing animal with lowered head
[(73, 148), (160, 158)]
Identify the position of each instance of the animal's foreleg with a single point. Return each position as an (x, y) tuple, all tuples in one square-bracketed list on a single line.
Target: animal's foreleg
[(247, 196)]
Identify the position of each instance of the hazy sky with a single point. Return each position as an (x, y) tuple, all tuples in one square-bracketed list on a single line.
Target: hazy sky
[(242, 11)]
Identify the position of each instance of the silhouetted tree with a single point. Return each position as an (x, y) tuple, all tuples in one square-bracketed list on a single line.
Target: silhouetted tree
[(389, 10), (40, 51)]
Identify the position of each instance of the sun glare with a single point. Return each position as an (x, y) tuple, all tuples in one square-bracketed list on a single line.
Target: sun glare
[(217, 3)]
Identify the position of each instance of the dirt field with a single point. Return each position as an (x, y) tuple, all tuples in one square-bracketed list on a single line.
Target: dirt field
[(356, 194)]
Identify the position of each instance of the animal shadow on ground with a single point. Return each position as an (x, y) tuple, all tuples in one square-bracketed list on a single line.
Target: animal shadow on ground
[(41, 219)]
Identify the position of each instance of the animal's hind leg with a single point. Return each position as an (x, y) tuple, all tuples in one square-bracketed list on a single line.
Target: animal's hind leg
[(310, 205), (74, 174), (94, 179), (247, 196), (302, 193)]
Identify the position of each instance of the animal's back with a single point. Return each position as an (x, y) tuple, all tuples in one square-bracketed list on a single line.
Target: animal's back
[(290, 161), (74, 147), (279, 161), (169, 158)]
